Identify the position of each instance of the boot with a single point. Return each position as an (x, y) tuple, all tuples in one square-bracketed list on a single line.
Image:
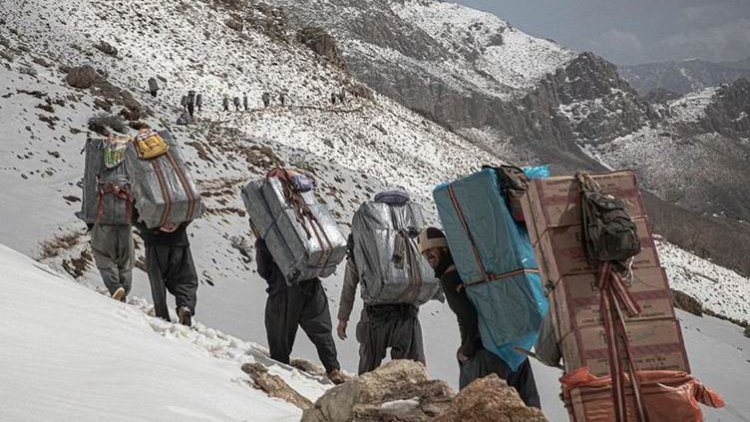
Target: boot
[(185, 315)]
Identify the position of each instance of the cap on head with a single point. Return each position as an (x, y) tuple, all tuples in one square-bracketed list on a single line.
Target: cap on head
[(431, 237)]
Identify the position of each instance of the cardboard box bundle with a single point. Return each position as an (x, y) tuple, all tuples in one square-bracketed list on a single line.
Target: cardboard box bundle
[(552, 209)]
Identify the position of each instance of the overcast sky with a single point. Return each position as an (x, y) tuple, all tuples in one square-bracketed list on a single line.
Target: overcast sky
[(634, 31)]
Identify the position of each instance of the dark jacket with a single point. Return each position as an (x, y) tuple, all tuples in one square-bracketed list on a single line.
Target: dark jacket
[(458, 301), (154, 237), (268, 269)]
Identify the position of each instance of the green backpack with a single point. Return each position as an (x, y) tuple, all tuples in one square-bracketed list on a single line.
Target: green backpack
[(609, 232)]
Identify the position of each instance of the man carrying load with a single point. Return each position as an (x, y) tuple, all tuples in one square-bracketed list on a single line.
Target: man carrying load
[(166, 201), (473, 359), (304, 305), (298, 243), (383, 257), (107, 211)]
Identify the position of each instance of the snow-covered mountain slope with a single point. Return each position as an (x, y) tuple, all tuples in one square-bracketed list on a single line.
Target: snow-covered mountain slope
[(352, 149), (697, 156), (498, 51), (71, 354), (715, 286), (466, 49), (526, 98)]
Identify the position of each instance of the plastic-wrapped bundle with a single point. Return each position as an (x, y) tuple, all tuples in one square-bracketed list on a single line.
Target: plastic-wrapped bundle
[(163, 187), (495, 259), (107, 196), (391, 269), (304, 245)]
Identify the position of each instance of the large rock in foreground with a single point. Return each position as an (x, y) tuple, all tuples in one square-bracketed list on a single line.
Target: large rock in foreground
[(490, 399), (398, 391), (401, 391)]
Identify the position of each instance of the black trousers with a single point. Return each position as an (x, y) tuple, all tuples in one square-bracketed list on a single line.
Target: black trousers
[(303, 305), (484, 363), (383, 326), (171, 268)]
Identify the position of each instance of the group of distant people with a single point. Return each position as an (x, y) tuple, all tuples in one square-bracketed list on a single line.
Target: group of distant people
[(266, 98), (192, 101)]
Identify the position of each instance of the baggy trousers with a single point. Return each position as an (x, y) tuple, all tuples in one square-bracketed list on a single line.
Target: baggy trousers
[(303, 305), (113, 251), (484, 363), (383, 326), (171, 268)]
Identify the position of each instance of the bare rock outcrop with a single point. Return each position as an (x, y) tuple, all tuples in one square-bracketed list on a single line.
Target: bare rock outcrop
[(398, 391), (82, 77), (490, 399), (687, 303), (322, 43), (275, 386)]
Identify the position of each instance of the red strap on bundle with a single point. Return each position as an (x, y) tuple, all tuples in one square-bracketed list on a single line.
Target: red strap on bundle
[(613, 293)]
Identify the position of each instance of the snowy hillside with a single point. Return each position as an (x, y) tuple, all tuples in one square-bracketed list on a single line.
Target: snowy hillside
[(692, 106), (72, 354), (463, 48), (69, 354), (505, 54), (353, 149)]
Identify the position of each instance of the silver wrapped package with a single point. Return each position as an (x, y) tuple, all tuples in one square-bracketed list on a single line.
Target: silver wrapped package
[(106, 191), (163, 187), (303, 248), (391, 269)]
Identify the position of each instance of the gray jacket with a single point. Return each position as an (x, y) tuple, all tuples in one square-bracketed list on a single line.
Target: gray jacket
[(348, 290)]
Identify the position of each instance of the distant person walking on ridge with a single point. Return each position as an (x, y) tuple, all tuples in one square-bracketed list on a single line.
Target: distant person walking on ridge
[(191, 103), (153, 87), (266, 99)]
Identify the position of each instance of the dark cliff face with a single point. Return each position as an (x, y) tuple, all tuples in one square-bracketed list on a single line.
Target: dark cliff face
[(608, 106), (729, 114)]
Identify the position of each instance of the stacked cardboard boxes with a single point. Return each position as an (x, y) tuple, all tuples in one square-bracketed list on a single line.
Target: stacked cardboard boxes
[(552, 209)]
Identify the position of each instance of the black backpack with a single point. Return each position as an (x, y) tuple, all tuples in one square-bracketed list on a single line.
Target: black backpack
[(609, 232), (513, 185)]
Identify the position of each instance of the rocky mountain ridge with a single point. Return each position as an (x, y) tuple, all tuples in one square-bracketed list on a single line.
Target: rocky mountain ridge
[(682, 77), (527, 99)]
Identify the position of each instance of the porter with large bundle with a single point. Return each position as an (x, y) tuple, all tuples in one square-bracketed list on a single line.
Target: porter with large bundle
[(300, 233), (390, 266), (496, 262), (163, 187), (107, 193)]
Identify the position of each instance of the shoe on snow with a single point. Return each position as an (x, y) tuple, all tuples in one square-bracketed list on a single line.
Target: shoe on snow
[(119, 294), (183, 312)]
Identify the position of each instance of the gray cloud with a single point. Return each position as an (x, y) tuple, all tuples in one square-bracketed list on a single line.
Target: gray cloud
[(634, 31), (730, 41), (622, 45)]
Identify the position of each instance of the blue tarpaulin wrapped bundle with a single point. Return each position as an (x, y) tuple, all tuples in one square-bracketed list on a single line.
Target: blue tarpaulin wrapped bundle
[(496, 261)]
